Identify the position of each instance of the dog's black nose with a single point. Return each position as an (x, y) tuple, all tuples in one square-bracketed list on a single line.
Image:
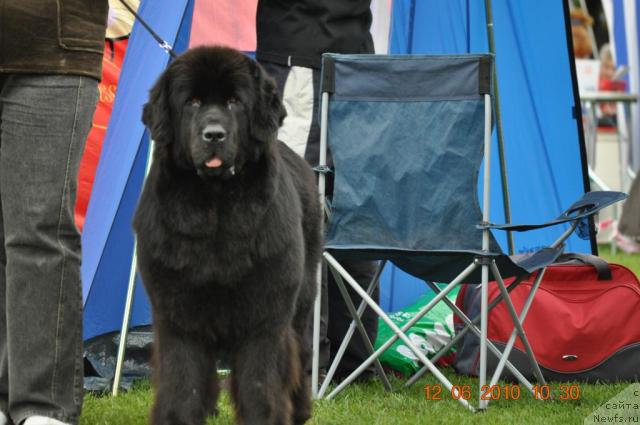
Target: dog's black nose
[(214, 133)]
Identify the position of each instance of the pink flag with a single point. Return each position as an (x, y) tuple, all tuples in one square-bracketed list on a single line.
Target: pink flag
[(228, 22)]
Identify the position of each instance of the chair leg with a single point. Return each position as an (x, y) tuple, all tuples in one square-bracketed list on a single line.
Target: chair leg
[(315, 359), (399, 333), (434, 359), (361, 329), (471, 325), (484, 297), (512, 339), (517, 324)]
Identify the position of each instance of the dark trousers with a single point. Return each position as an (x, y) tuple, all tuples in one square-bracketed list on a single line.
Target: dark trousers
[(339, 318), (44, 122), (302, 103)]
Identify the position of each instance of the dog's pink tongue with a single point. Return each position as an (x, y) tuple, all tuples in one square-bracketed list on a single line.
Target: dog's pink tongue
[(214, 162)]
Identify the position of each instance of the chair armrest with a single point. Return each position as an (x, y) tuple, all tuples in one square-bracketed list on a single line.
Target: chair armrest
[(589, 204), (539, 259)]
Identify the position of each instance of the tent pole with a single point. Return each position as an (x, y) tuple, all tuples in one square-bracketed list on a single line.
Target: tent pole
[(498, 116), (577, 116), (412, 25), (122, 344), (126, 317)]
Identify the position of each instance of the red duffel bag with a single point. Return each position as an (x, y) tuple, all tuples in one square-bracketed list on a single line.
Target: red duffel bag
[(583, 324)]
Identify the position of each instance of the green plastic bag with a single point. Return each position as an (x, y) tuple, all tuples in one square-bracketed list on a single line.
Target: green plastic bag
[(430, 333)]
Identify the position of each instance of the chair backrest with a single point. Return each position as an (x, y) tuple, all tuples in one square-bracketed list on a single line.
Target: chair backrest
[(406, 134)]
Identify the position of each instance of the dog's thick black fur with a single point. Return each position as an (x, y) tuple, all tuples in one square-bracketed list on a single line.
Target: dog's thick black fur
[(229, 239)]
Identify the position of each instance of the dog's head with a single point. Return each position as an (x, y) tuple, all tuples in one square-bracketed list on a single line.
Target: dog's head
[(214, 109)]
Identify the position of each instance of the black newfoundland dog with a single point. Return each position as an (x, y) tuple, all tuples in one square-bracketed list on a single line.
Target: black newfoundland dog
[(229, 240)]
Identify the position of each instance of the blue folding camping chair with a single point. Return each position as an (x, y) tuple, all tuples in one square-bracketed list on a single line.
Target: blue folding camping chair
[(408, 135)]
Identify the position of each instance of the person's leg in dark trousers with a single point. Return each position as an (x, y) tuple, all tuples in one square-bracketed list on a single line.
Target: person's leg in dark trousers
[(340, 319), (4, 354), (44, 122), (300, 90), (282, 74)]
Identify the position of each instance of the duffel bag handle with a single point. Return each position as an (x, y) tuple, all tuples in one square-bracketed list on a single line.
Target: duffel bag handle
[(601, 266)]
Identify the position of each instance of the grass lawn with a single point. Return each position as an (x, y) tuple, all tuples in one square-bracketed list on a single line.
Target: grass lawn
[(369, 404)]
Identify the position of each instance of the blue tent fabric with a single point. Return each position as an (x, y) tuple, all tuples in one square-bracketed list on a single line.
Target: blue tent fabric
[(536, 96), (107, 237), (104, 303), (624, 38), (619, 27)]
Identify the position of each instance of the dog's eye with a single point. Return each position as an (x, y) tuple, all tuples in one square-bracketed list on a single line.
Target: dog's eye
[(195, 102), (231, 102)]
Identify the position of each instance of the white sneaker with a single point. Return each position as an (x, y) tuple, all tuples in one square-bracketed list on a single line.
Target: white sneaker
[(42, 420), (3, 419)]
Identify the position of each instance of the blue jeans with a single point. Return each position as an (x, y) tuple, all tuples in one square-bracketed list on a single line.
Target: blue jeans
[(44, 122)]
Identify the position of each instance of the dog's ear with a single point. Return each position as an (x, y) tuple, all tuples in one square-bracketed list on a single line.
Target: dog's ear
[(156, 114), (268, 112)]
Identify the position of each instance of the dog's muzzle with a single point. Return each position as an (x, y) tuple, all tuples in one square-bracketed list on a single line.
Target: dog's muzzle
[(214, 133)]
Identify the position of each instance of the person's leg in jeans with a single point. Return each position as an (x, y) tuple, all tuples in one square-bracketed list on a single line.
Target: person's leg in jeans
[(4, 355), (44, 122)]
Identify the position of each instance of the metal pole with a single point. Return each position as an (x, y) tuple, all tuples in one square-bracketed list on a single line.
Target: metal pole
[(484, 290), (498, 115), (624, 151), (512, 338), (363, 333), (122, 345), (315, 362), (125, 322), (347, 338)]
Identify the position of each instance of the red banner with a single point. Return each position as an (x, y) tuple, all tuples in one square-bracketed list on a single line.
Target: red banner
[(111, 66), (119, 27)]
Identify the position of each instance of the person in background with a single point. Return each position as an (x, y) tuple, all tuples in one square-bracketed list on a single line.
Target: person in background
[(50, 64), (608, 82), (627, 237), (292, 35)]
